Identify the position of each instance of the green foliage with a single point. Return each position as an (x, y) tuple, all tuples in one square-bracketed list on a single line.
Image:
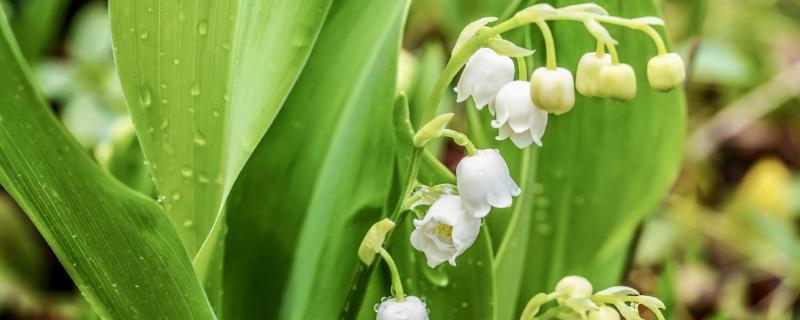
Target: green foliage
[(118, 246), (329, 152), (275, 223), (201, 96), (604, 166)]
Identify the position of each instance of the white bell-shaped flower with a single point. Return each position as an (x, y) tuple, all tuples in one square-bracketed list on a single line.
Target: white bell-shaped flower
[(483, 76), (445, 232), (484, 182), (517, 117), (553, 90), (587, 78), (411, 308)]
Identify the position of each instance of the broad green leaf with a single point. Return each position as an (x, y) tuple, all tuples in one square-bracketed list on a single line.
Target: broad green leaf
[(204, 80), (117, 245), (319, 178), (604, 166)]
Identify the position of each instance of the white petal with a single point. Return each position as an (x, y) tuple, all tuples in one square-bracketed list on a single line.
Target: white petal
[(539, 125), (464, 234), (522, 140), (503, 132), (477, 209), (433, 254), (466, 85)]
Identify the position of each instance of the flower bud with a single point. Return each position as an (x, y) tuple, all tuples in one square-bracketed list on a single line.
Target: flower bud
[(431, 130), (587, 78), (665, 72), (604, 313), (574, 287), (484, 182), (411, 308), (553, 90), (483, 76), (617, 81), (373, 240), (445, 232)]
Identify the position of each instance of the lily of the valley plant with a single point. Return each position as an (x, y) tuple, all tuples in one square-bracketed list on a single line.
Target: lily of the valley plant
[(520, 107)]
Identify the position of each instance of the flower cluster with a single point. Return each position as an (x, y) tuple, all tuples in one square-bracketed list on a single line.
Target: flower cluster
[(574, 299), (520, 108)]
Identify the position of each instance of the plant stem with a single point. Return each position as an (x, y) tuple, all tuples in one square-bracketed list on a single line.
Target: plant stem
[(601, 49), (396, 282), (522, 69), (612, 49), (659, 42), (461, 140), (549, 44)]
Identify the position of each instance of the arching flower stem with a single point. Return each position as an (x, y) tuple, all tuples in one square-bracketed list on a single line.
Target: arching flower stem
[(601, 49), (397, 283), (612, 49), (549, 44), (461, 140), (627, 23), (522, 69)]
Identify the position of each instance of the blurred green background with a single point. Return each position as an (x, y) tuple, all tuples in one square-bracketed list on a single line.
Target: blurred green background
[(723, 245)]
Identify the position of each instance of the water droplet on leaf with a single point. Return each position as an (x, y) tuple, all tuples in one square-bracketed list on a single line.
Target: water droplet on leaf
[(144, 97), (202, 27), (186, 171)]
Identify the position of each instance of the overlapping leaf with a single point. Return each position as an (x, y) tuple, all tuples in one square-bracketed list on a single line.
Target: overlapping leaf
[(204, 80), (117, 245), (320, 176)]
